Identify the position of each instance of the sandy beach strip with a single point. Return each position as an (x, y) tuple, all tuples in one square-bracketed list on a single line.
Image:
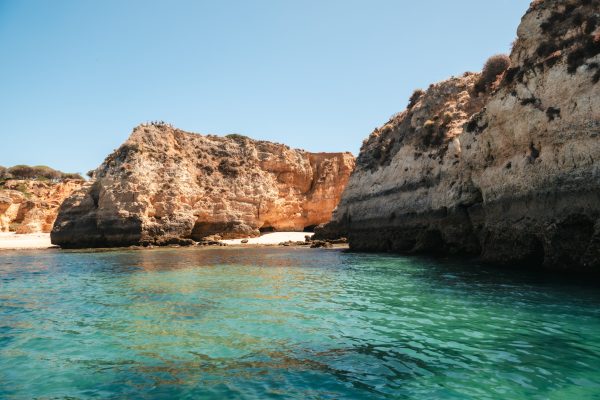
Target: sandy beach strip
[(12, 241), (271, 238)]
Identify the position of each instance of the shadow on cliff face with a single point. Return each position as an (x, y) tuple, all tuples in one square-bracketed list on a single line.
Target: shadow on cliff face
[(86, 232), (566, 243), (573, 241)]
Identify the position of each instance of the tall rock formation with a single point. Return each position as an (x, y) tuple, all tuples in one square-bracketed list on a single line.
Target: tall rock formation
[(31, 206), (164, 184), (513, 176)]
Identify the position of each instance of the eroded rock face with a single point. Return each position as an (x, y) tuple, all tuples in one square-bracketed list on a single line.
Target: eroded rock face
[(520, 183), (164, 183), (29, 206), (405, 190)]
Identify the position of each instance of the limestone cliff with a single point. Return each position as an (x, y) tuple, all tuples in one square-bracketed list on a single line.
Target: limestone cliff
[(164, 184), (407, 178), (513, 176), (30, 206)]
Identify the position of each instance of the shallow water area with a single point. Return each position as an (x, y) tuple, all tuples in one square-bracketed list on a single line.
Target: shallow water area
[(289, 323)]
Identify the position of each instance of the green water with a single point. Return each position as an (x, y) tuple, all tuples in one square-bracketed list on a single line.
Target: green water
[(289, 323)]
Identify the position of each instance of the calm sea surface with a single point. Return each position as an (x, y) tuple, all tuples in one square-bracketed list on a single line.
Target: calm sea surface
[(289, 323)]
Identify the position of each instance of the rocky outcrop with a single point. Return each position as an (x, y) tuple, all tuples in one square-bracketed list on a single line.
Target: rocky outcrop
[(513, 176), (407, 177), (30, 206), (164, 185)]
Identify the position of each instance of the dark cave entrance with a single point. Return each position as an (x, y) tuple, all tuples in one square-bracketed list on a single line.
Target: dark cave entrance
[(309, 228)]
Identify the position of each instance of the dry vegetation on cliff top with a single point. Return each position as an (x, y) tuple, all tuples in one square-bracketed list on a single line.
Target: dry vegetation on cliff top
[(37, 172)]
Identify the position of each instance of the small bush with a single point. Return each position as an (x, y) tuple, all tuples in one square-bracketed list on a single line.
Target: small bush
[(158, 124), (236, 136), (417, 94), (22, 172), (72, 176), (38, 172), (45, 172), (494, 66)]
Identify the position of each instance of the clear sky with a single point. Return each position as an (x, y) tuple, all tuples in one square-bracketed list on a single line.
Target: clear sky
[(77, 75)]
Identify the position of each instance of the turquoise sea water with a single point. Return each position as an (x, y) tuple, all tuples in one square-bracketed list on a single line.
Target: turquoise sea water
[(289, 323)]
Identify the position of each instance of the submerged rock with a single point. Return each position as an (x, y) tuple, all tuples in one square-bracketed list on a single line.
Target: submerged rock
[(164, 183), (512, 176)]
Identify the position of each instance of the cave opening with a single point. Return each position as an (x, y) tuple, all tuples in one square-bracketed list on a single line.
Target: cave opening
[(309, 228)]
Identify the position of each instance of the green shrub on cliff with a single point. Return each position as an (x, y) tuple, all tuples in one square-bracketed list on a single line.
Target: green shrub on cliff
[(38, 172), (22, 172), (236, 136), (494, 66), (417, 94), (72, 175), (45, 172)]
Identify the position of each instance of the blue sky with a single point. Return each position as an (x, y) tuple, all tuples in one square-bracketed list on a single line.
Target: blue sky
[(77, 75)]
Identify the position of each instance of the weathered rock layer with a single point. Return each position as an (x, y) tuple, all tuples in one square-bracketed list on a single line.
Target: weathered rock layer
[(163, 185), (513, 176), (30, 206)]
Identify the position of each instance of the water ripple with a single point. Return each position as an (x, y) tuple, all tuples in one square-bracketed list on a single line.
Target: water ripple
[(289, 323)]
